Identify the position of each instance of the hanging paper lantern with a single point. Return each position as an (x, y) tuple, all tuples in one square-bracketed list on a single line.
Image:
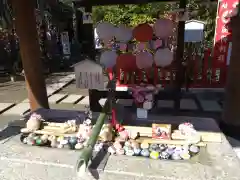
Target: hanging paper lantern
[(144, 60), (123, 34), (108, 58), (163, 57), (105, 30), (126, 62), (163, 28), (143, 32)]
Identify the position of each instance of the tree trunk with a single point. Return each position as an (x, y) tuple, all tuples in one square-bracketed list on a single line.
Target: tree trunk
[(30, 52)]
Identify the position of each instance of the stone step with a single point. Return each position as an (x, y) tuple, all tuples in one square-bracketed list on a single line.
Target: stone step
[(55, 98), (84, 101), (71, 99), (165, 104), (188, 104), (52, 88), (210, 105), (19, 109), (5, 106)]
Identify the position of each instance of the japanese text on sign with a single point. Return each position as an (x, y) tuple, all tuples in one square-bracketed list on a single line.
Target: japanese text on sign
[(222, 33)]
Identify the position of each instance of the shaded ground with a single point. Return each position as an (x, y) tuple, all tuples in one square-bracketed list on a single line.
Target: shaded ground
[(15, 92), (72, 89)]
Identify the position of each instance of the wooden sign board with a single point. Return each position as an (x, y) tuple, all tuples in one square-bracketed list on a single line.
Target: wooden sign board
[(89, 80), (89, 75), (65, 43)]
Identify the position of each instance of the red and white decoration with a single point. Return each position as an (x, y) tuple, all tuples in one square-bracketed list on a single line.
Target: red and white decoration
[(163, 28), (163, 57), (106, 31), (123, 34), (222, 40), (108, 58)]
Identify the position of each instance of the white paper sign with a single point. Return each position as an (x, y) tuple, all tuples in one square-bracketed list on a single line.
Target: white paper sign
[(90, 80), (65, 43), (87, 18)]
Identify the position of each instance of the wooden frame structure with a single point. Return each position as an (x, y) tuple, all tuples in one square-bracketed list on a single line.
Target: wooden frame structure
[(29, 47), (96, 95)]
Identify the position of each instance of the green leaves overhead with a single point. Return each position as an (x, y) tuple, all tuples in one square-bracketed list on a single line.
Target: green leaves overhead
[(127, 14), (135, 14)]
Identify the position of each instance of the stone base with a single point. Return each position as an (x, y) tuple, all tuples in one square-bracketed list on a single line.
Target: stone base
[(218, 161)]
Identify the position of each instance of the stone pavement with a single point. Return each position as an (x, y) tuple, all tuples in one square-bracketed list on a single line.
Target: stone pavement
[(217, 162), (11, 105), (62, 91), (187, 104)]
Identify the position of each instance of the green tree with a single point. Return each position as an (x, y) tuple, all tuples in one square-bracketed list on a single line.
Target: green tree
[(135, 14)]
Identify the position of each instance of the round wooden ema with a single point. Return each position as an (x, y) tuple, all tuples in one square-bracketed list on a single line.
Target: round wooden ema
[(123, 34), (163, 28), (126, 62), (108, 58), (144, 60), (105, 30), (163, 57), (143, 32)]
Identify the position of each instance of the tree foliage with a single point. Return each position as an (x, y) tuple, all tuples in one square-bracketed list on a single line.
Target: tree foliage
[(132, 15)]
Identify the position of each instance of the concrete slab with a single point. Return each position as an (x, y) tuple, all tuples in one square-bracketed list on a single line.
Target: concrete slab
[(125, 102), (25, 101), (5, 106), (188, 104), (84, 101), (210, 105), (102, 101), (234, 142), (50, 91), (218, 161), (165, 104), (66, 106), (52, 88), (237, 151), (12, 169), (71, 99), (55, 98), (18, 170), (19, 109)]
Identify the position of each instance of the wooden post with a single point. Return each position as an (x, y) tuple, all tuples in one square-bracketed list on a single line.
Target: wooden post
[(30, 52), (231, 113), (179, 57)]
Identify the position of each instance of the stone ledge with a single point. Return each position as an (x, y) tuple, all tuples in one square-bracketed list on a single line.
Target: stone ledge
[(219, 160)]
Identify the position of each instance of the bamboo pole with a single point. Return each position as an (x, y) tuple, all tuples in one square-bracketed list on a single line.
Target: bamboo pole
[(86, 153)]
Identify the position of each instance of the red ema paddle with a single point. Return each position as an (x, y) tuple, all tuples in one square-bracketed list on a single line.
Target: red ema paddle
[(126, 62), (143, 32)]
